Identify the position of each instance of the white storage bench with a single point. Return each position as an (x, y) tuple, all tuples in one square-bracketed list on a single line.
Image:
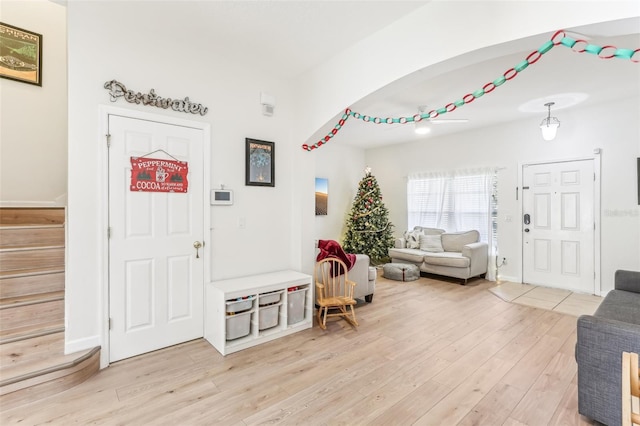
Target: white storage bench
[(246, 311)]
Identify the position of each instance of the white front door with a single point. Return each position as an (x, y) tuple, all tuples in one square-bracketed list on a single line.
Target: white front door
[(558, 225), (156, 275)]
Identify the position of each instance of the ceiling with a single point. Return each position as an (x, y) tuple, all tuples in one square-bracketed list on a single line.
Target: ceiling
[(562, 76), (287, 38), (278, 37)]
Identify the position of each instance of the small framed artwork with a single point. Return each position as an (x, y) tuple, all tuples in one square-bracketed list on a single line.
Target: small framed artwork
[(20, 55), (322, 196), (259, 163)]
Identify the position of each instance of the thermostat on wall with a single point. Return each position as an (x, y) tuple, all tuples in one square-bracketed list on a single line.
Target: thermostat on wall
[(221, 197)]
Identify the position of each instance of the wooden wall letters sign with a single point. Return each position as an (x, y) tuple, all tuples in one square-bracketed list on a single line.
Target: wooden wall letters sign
[(117, 90)]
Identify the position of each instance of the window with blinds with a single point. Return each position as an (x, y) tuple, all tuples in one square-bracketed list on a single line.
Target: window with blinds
[(456, 201)]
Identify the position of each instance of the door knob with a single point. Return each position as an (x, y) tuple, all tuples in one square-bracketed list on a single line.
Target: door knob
[(197, 245)]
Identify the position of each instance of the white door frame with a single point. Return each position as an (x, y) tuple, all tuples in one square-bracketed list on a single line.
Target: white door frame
[(104, 113), (596, 212)]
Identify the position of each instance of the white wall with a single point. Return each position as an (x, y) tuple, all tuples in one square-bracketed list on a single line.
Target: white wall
[(121, 40), (344, 167), (613, 127), (33, 126)]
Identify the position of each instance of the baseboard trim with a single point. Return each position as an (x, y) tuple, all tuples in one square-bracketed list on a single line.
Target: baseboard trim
[(81, 344), (507, 278)]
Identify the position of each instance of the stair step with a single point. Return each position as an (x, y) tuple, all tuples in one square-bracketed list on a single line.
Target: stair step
[(26, 259), (30, 299), (31, 272), (35, 282), (29, 249), (32, 215), (32, 236), (28, 357), (30, 318), (57, 374), (24, 356), (29, 334)]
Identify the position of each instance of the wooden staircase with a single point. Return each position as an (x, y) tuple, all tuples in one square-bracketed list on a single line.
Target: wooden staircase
[(32, 360)]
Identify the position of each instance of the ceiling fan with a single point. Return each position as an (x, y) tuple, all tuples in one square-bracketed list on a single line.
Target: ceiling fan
[(422, 126)]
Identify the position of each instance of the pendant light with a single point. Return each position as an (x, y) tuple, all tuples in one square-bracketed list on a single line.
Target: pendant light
[(549, 125)]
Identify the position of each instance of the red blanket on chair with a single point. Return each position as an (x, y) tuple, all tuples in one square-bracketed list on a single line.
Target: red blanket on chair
[(331, 248)]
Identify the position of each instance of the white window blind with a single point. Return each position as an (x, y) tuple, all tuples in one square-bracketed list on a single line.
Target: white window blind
[(454, 201)]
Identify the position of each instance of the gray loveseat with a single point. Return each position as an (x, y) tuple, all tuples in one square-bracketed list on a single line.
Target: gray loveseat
[(602, 337), (434, 251)]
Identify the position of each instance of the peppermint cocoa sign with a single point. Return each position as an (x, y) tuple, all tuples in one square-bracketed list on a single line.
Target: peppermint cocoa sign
[(157, 175)]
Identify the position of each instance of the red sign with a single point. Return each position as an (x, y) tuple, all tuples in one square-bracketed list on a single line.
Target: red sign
[(156, 175)]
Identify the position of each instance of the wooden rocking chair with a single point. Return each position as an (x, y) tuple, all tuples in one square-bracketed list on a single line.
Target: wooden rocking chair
[(630, 389), (334, 291)]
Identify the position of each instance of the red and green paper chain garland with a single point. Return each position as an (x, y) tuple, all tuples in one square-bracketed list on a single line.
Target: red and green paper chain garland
[(559, 38)]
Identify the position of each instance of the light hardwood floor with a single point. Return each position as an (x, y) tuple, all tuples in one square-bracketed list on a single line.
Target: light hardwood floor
[(553, 299), (426, 352)]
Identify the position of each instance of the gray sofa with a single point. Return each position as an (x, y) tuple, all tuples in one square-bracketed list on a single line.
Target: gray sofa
[(602, 337), (434, 251)]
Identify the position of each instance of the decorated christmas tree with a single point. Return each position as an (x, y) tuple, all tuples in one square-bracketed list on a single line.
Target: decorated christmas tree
[(368, 226)]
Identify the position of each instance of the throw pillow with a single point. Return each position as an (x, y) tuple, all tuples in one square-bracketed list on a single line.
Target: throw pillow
[(432, 243), (412, 239)]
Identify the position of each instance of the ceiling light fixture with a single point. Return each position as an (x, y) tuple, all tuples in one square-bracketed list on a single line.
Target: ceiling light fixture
[(549, 125), (422, 127)]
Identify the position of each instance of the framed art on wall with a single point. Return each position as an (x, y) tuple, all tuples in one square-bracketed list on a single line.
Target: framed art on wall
[(259, 163), (322, 196), (20, 54)]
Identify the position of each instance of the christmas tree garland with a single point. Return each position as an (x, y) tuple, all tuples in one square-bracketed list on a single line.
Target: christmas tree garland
[(358, 216), (374, 230), (559, 38)]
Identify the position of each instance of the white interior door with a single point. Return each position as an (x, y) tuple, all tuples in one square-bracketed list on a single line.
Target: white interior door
[(558, 225), (156, 275)]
